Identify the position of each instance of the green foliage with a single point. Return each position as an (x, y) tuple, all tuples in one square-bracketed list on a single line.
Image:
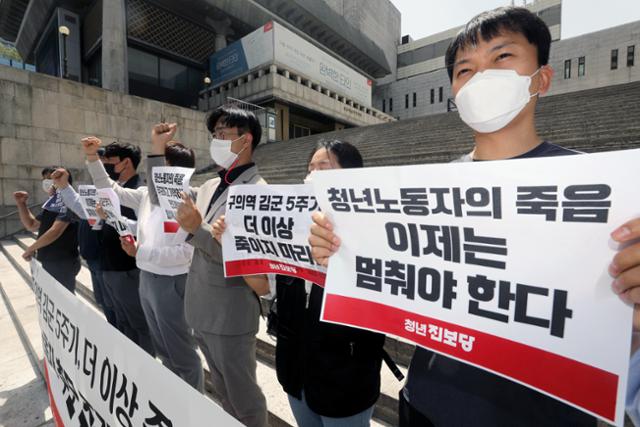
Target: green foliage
[(9, 52)]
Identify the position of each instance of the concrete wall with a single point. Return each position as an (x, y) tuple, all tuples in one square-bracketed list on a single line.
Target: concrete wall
[(378, 20), (43, 118)]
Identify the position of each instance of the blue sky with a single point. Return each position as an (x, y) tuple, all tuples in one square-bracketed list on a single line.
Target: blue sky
[(421, 18)]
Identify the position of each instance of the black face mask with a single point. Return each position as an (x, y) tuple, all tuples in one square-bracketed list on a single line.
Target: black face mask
[(111, 171)]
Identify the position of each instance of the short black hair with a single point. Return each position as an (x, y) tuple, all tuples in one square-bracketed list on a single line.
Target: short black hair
[(124, 150), (347, 154), (232, 117), (492, 23), (176, 154), (51, 169)]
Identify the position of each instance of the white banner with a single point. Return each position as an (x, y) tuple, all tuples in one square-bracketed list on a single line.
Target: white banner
[(111, 204), (89, 199), (267, 231), (499, 264), (98, 377)]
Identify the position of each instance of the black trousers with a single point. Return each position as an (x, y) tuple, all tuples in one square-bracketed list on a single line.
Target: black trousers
[(64, 271)]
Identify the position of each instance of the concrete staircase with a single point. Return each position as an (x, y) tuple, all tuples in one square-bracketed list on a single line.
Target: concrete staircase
[(603, 119), (22, 326)]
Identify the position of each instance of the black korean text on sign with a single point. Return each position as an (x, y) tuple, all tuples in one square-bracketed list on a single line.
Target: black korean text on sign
[(115, 385), (445, 242), (425, 283), (420, 201), (483, 290), (277, 227), (581, 203)]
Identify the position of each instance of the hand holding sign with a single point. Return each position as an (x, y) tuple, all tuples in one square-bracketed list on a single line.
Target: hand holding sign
[(28, 254), (160, 135), (100, 211), (60, 178), (625, 267), (323, 241), (218, 228), (129, 246), (189, 217)]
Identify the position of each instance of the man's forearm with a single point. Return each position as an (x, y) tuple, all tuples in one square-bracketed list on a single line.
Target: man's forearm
[(26, 217), (47, 238)]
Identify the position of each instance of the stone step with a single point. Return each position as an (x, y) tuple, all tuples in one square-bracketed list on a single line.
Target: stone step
[(280, 414)]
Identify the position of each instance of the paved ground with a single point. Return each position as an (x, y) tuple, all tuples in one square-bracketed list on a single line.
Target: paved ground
[(23, 395)]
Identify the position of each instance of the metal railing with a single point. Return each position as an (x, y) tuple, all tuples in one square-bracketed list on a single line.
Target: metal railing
[(4, 218)]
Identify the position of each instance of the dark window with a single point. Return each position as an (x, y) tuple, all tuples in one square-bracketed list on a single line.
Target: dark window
[(415, 99), (390, 104), (433, 96), (581, 66), (614, 59), (143, 66), (173, 75), (384, 105), (47, 58), (567, 69), (300, 131), (94, 69), (440, 94), (631, 53), (406, 101), (151, 76)]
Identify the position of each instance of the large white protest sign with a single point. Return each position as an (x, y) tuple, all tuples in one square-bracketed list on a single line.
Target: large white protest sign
[(97, 377), (169, 182), (267, 231), (499, 264), (111, 204), (89, 199)]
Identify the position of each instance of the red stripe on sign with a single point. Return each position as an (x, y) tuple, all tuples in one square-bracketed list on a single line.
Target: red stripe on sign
[(171, 227), (245, 267), (586, 386), (54, 408)]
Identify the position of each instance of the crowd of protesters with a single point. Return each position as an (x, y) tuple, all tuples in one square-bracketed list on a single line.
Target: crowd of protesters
[(169, 295)]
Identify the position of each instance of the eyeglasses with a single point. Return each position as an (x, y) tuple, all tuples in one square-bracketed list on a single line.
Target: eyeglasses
[(224, 132)]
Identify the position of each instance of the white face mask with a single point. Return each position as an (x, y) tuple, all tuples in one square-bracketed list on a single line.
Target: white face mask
[(491, 99), (46, 185), (221, 154), (308, 179)]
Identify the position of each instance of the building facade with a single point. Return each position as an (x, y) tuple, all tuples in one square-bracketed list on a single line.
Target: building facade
[(162, 49), (421, 84)]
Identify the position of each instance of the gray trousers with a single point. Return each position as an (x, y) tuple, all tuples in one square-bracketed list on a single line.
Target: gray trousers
[(232, 362), (162, 299), (123, 287)]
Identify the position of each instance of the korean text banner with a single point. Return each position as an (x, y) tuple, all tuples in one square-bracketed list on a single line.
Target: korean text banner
[(169, 181), (267, 231), (98, 377), (111, 204), (89, 200), (499, 264)]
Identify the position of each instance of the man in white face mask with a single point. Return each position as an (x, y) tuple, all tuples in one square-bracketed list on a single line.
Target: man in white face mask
[(498, 66), (57, 244), (224, 313)]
